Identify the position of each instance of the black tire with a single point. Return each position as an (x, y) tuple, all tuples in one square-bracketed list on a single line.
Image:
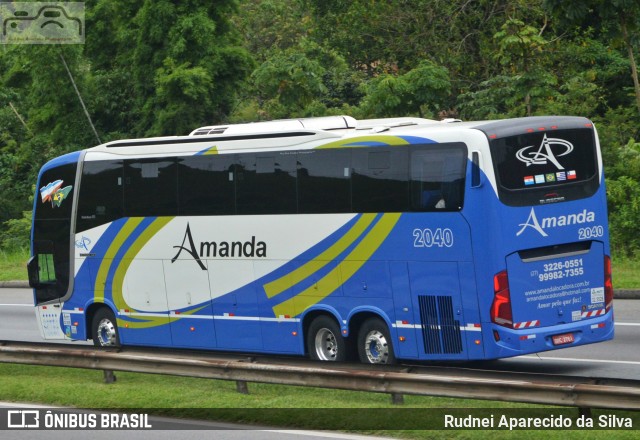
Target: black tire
[(324, 340), (374, 343), (104, 329)]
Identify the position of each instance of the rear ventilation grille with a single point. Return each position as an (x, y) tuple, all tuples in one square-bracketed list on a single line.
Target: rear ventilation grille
[(440, 331)]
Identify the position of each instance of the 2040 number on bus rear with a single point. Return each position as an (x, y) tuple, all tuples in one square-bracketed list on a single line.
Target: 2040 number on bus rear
[(592, 232), (441, 237)]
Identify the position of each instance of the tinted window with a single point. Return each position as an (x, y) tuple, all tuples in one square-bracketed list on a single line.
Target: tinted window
[(380, 181), (52, 231), (100, 194), (437, 177), (56, 193), (541, 167), (266, 183), (324, 183), (206, 185), (150, 188)]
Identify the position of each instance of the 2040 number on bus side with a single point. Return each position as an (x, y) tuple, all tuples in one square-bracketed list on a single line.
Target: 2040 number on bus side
[(441, 237)]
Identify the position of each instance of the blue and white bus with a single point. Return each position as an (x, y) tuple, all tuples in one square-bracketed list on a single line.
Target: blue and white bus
[(329, 237)]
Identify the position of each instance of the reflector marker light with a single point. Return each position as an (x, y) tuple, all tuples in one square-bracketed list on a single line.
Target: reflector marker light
[(526, 324), (593, 313)]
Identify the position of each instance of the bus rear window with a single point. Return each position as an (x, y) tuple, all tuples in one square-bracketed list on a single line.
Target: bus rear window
[(546, 167)]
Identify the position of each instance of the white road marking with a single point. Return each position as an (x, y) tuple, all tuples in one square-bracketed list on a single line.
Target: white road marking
[(598, 361)]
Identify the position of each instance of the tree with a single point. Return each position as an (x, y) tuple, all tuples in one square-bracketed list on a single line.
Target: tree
[(618, 19), (421, 92)]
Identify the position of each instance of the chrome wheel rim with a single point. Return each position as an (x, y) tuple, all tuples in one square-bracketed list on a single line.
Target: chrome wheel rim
[(106, 333), (326, 345), (376, 347)]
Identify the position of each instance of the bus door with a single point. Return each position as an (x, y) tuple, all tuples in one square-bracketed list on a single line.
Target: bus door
[(189, 303), (49, 267)]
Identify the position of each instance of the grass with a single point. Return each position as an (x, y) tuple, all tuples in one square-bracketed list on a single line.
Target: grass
[(271, 405), (13, 265), (626, 273)]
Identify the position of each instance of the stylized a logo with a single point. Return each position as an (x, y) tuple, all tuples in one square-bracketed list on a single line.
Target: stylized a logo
[(532, 222), (191, 250), (544, 153)]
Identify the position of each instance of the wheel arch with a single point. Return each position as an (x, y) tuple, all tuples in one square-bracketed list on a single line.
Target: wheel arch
[(361, 314), (90, 313), (310, 315)]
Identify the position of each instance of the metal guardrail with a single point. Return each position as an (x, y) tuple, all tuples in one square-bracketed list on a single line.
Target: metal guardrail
[(528, 388)]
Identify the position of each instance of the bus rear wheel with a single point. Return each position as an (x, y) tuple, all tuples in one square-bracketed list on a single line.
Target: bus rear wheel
[(324, 341), (104, 329), (374, 343)]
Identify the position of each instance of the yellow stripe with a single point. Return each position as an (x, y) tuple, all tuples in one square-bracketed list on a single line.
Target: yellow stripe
[(105, 265), (281, 284), (346, 143), (212, 150), (334, 279), (118, 279)]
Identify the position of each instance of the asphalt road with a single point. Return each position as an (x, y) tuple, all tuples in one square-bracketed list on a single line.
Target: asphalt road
[(619, 358)]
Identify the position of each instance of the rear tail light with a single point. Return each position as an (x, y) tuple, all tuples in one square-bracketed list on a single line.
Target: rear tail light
[(501, 306), (608, 283)]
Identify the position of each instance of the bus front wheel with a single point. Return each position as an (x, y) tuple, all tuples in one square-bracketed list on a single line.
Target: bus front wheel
[(374, 343), (104, 329), (324, 341)]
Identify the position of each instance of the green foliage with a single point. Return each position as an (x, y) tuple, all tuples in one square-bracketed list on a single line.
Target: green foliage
[(165, 67), (419, 91), (16, 233), (624, 211)]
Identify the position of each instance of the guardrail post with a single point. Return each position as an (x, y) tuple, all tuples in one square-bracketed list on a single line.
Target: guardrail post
[(242, 387), (585, 412), (109, 376), (397, 399)]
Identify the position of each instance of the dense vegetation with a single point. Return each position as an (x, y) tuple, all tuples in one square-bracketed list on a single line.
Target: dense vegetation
[(162, 67)]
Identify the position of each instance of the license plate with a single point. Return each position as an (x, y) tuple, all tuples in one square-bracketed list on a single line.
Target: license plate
[(566, 338)]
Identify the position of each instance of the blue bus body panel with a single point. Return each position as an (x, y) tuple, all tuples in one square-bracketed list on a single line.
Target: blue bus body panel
[(429, 276)]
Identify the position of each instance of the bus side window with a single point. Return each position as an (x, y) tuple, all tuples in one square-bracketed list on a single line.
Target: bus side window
[(206, 185), (266, 183), (100, 199), (324, 181), (150, 187), (437, 177), (380, 182)]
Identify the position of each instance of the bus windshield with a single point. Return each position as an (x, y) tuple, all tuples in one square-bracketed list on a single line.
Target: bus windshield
[(546, 167)]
